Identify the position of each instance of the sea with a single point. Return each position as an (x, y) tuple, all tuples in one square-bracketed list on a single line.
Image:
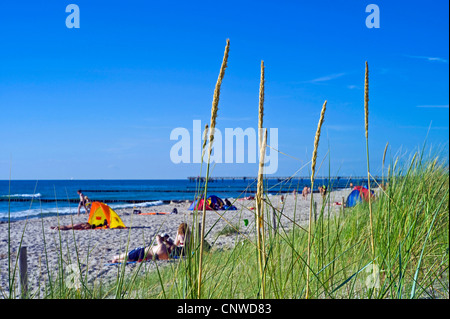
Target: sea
[(22, 199)]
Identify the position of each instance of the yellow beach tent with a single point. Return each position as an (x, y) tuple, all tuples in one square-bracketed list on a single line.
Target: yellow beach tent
[(101, 214)]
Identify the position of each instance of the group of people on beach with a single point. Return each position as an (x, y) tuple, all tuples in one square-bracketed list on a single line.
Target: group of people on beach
[(163, 249), (85, 202), (307, 190)]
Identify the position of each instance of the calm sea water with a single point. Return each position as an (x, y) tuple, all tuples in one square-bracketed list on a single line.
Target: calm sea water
[(29, 199)]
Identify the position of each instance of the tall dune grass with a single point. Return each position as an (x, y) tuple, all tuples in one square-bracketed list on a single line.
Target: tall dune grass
[(411, 242), (214, 110), (313, 172), (366, 122)]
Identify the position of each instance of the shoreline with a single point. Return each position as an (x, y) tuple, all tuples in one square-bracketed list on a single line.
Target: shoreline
[(109, 202), (94, 248)]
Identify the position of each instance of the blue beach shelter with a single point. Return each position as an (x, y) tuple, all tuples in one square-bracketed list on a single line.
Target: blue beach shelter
[(358, 194), (353, 198)]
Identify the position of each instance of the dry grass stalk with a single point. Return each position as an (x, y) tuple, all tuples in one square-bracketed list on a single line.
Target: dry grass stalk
[(316, 141), (366, 112), (366, 120), (366, 100), (215, 103), (261, 105), (260, 214), (262, 144), (385, 150), (214, 110), (205, 136), (313, 172), (382, 165)]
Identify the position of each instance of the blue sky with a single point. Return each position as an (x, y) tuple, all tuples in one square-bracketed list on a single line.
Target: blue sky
[(99, 102)]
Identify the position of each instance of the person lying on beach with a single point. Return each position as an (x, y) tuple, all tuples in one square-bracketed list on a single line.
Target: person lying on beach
[(157, 252), (80, 226), (76, 226), (247, 198), (182, 240), (168, 242)]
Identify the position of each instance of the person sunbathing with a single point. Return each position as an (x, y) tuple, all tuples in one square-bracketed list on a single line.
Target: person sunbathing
[(182, 240), (170, 244), (157, 252), (80, 226)]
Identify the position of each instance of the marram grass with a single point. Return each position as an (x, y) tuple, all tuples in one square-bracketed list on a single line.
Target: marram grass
[(261, 105), (262, 144), (214, 110), (411, 241), (366, 122), (260, 225), (313, 171)]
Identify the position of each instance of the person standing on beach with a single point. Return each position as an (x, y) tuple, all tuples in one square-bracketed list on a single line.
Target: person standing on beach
[(323, 191), (83, 201), (305, 192)]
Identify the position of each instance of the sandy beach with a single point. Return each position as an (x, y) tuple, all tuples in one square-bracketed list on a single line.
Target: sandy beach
[(96, 247)]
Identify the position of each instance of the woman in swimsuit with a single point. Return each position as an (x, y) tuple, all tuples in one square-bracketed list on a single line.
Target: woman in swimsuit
[(182, 240), (83, 201), (145, 253)]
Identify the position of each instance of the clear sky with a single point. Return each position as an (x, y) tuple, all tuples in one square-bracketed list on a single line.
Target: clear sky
[(100, 101)]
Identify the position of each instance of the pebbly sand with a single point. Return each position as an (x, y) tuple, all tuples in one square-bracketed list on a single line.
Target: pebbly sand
[(96, 247)]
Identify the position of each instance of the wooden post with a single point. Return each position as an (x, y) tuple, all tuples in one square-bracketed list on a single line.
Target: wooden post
[(23, 282)]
